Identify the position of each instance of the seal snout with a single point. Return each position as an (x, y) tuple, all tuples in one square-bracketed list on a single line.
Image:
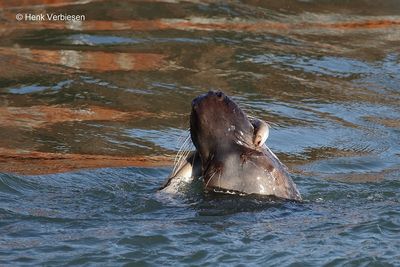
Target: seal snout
[(218, 95)]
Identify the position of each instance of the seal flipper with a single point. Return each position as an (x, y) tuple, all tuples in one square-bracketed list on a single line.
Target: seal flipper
[(187, 171), (261, 131)]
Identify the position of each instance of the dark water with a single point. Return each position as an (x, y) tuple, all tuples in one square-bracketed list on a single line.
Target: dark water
[(326, 74)]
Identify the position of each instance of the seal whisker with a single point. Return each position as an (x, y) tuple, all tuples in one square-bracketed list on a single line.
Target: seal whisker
[(183, 152), (182, 139), (181, 161), (178, 157), (211, 177), (185, 144)]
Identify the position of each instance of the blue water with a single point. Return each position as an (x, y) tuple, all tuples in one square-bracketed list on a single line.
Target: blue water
[(116, 216)]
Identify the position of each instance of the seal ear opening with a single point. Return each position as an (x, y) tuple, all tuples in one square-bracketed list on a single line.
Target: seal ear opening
[(258, 140)]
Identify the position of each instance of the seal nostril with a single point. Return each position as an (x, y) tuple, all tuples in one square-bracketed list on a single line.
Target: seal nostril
[(220, 96)]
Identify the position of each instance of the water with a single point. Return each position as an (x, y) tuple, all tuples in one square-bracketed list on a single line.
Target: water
[(92, 113)]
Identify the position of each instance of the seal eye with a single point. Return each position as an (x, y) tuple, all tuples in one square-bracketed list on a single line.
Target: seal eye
[(220, 96)]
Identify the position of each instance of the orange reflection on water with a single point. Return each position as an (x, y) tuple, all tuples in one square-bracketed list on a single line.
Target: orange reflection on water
[(206, 24), (36, 162), (40, 116), (92, 60)]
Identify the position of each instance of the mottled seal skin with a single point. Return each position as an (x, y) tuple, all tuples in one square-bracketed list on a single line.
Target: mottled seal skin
[(230, 155)]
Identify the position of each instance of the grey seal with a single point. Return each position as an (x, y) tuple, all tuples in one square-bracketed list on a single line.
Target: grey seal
[(231, 155)]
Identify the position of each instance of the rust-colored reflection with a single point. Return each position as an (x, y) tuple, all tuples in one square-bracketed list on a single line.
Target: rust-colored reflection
[(260, 26), (40, 116), (92, 60), (34, 162), (21, 67), (205, 24)]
